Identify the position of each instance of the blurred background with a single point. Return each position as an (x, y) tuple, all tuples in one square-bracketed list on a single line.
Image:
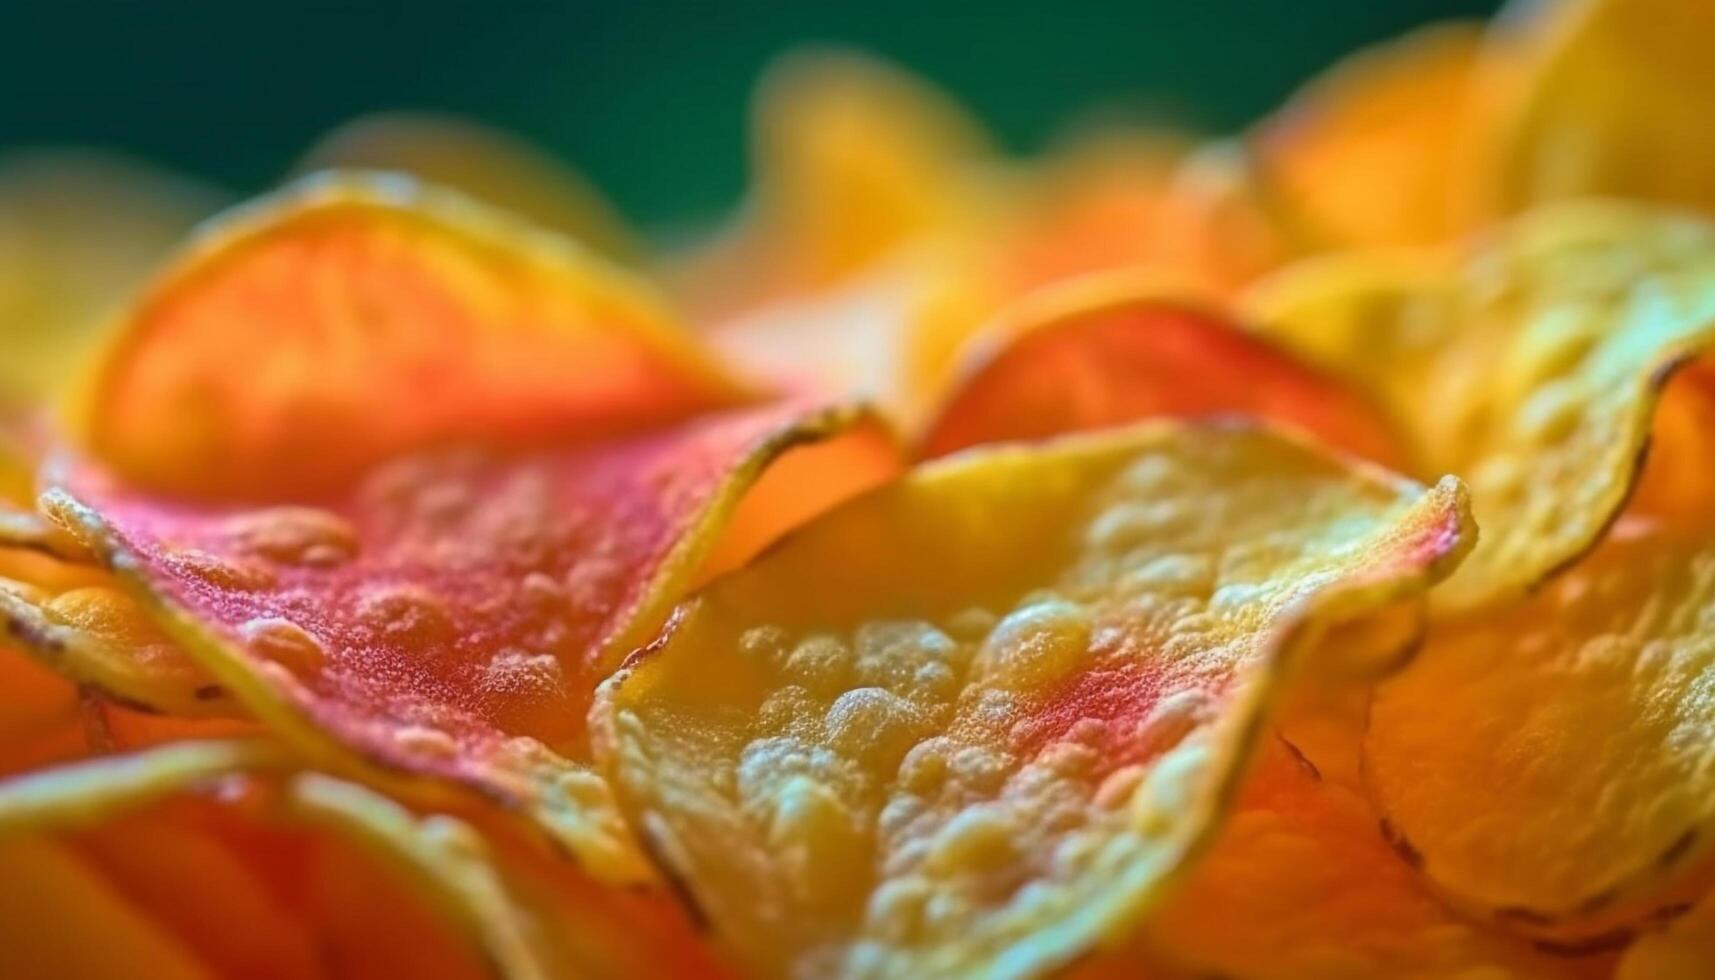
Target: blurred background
[(647, 98)]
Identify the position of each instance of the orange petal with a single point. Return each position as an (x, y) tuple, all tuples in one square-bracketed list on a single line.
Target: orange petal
[(853, 158), (1301, 885), (59, 917), (1377, 151), (247, 870), (1128, 202), (1106, 352), (1121, 204), (354, 317), (39, 716), (1583, 700)]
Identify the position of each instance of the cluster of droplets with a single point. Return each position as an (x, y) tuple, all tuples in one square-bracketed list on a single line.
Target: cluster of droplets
[(888, 763), (990, 769), (261, 560)]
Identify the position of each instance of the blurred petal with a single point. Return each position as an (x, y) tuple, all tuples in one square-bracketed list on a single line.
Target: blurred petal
[(1377, 150), (1611, 99), (853, 158), (59, 917), (78, 231), (484, 164), (1129, 202), (194, 838), (1683, 949)]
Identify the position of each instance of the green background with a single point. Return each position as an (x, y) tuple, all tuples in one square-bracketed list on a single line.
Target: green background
[(647, 98)]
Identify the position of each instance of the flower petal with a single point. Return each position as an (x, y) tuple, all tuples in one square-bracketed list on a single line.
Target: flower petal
[(355, 317), (1532, 372), (976, 721), (1586, 702), (1610, 100), (1380, 149), (1115, 350), (452, 613), (1300, 885), (78, 232), (482, 163)]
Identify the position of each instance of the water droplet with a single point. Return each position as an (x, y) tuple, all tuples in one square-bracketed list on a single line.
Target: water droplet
[(977, 839), (1035, 646), (421, 740), (97, 609), (520, 673), (405, 614), (892, 654), (763, 644), (285, 643), (1118, 786), (925, 768), (222, 573), (583, 789), (817, 839), (791, 710), (971, 624), (295, 535), (1137, 522), (541, 591), (874, 726), (1170, 790), (821, 664), (895, 911), (1172, 718)]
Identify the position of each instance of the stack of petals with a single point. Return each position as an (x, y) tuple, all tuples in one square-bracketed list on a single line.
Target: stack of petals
[(1285, 557)]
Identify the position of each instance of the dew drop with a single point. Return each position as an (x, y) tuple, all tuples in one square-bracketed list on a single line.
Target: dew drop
[(874, 726), (295, 535), (816, 837), (222, 573), (520, 673), (977, 839), (285, 643), (1034, 646), (820, 663), (100, 610), (405, 614), (422, 740)]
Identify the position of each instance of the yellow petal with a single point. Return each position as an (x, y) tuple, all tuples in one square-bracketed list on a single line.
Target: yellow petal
[(974, 722), (78, 231), (1612, 100), (1531, 371), (1585, 702)]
